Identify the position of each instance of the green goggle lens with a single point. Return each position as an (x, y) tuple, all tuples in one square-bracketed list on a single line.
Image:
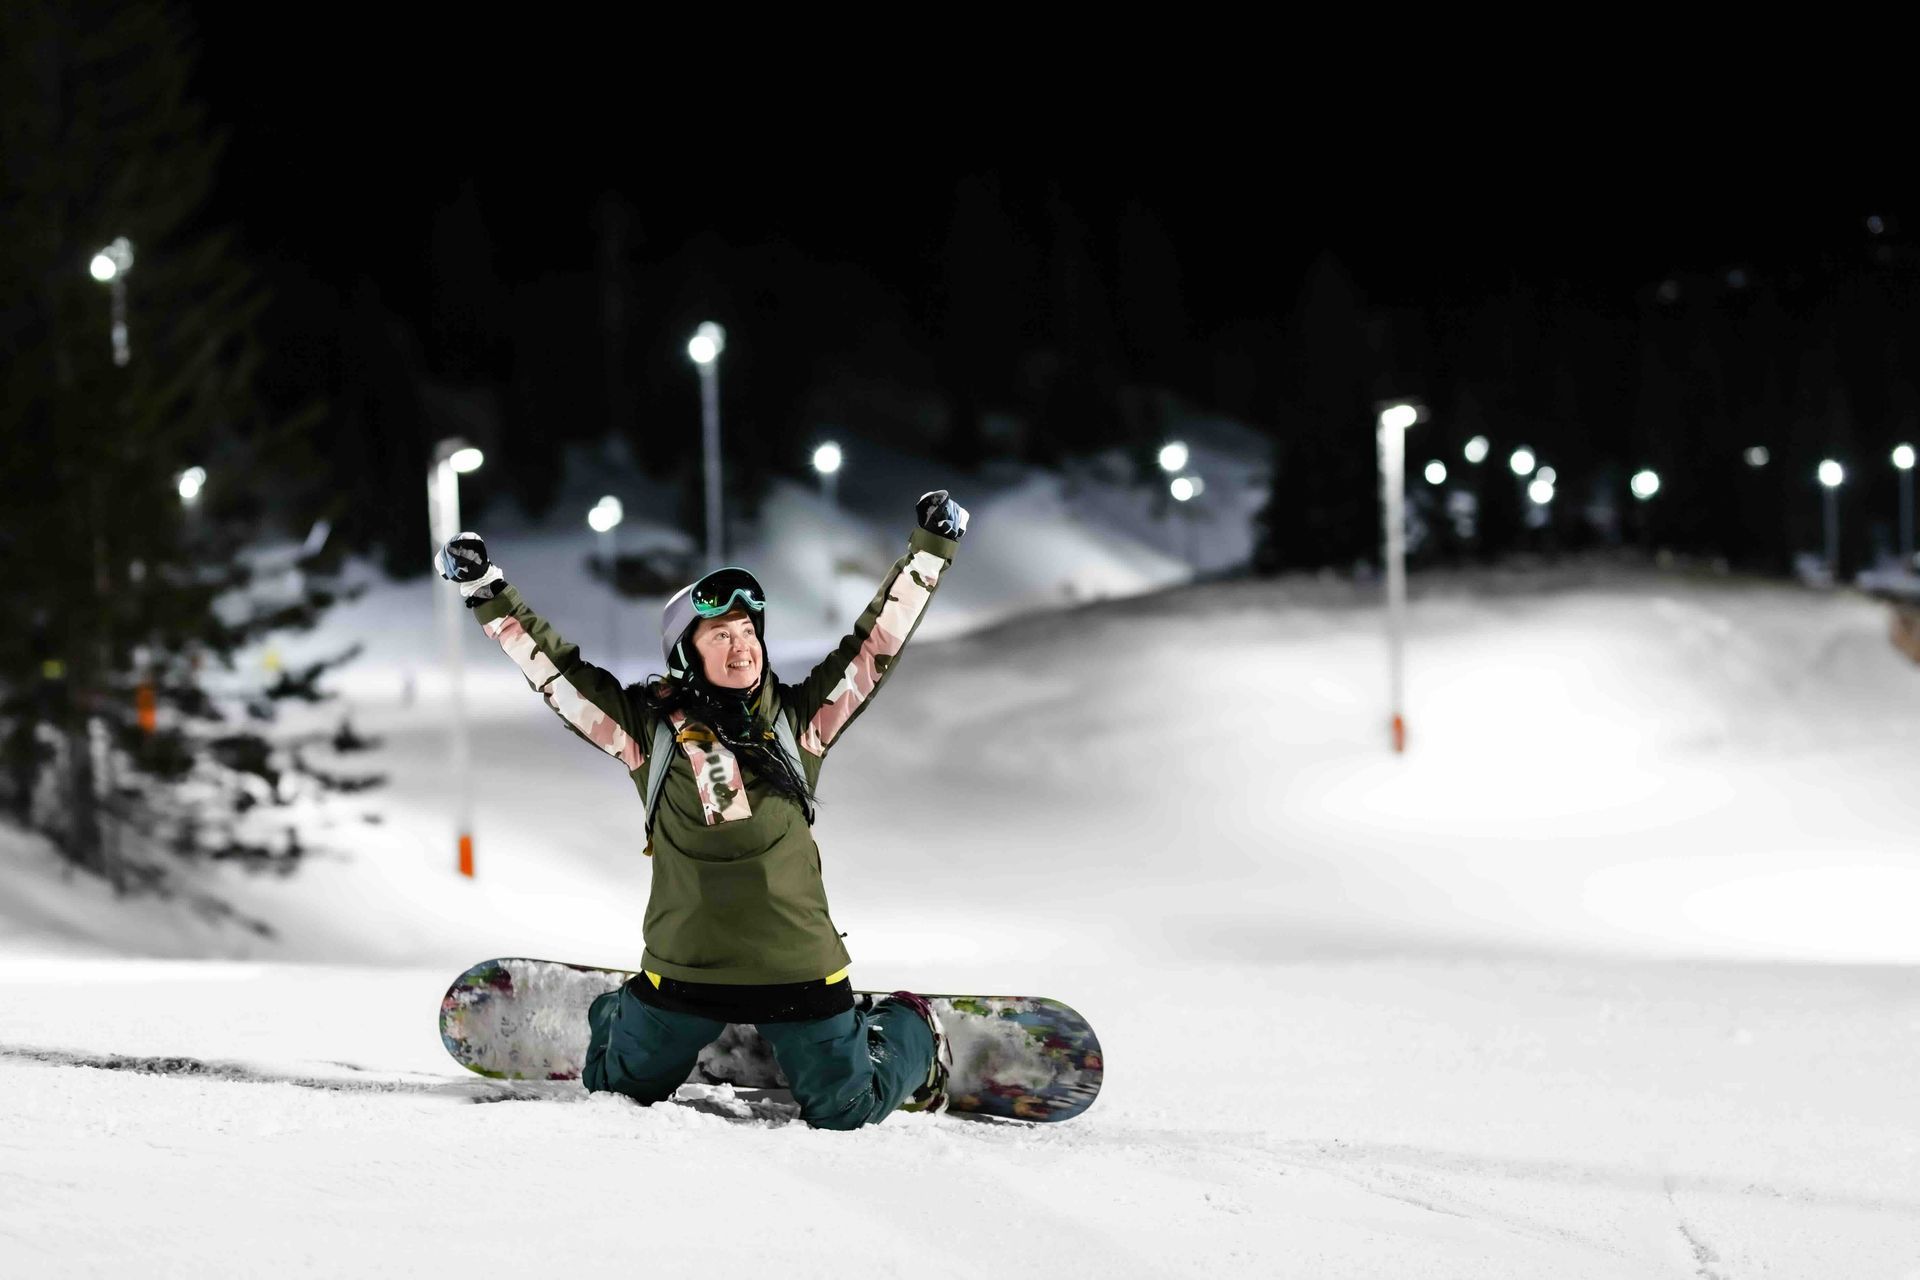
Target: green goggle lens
[(719, 591)]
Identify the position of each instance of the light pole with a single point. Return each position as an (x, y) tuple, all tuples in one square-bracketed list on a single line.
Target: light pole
[(826, 460), (1538, 484), (1476, 452), (1645, 483), (453, 458), (1173, 460), (1903, 460), (705, 348), (189, 483), (1184, 490), (1832, 476), (603, 520), (1392, 436), (110, 267)]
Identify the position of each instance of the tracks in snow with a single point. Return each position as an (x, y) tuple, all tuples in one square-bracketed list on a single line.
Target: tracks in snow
[(767, 1105), (1704, 1257), (198, 1068)]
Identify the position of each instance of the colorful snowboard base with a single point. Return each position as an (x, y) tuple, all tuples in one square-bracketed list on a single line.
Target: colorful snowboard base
[(1014, 1057)]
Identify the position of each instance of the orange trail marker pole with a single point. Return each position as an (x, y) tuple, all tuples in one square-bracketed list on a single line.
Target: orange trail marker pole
[(1394, 421)]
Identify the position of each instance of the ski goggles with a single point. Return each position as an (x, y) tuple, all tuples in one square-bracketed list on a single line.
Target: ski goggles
[(719, 591)]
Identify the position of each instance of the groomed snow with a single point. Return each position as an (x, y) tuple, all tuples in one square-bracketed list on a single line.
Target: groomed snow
[(1611, 975)]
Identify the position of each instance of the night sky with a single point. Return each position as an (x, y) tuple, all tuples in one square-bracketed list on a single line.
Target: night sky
[(349, 137)]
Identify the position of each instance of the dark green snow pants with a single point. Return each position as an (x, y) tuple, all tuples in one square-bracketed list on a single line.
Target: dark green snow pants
[(848, 1070)]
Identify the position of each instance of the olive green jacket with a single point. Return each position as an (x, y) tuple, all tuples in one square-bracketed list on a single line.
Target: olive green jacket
[(737, 894)]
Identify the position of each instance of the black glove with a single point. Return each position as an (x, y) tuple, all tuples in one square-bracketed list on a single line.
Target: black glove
[(464, 560), (940, 514)]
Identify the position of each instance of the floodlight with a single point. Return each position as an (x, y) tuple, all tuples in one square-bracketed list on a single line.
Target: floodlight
[(606, 514), (113, 261), (1399, 416), (709, 340)]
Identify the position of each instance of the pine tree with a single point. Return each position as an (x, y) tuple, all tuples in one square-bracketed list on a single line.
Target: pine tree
[(466, 342), (1325, 501), (125, 597), (1152, 309), (980, 318), (1080, 405)]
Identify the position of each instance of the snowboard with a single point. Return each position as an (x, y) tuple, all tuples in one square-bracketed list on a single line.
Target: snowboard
[(1014, 1057)]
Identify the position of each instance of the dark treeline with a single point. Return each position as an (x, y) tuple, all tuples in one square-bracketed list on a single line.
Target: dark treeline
[(1029, 317), (516, 234)]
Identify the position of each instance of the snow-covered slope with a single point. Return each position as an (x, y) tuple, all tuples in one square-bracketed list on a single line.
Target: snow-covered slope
[(1622, 762), (1533, 999)]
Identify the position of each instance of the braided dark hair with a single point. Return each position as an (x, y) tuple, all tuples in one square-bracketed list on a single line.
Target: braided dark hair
[(729, 714)]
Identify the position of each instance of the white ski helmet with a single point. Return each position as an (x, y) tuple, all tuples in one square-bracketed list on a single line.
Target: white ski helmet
[(712, 596)]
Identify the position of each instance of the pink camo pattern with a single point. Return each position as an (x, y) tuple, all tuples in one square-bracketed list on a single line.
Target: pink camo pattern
[(911, 590), (593, 724), (716, 771)]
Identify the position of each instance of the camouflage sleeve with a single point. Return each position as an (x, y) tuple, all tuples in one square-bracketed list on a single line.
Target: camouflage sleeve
[(591, 701), (841, 686)]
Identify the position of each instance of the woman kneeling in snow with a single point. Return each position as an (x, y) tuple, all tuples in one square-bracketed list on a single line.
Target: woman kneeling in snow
[(727, 759)]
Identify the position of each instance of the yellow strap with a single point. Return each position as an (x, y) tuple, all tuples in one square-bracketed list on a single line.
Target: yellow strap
[(654, 978)]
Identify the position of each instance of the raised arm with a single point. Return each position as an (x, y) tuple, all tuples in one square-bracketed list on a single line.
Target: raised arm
[(840, 687), (590, 701)]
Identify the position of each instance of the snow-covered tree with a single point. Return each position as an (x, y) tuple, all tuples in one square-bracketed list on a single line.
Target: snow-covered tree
[(133, 583)]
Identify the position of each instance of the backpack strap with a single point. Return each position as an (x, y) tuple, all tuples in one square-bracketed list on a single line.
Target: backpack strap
[(659, 764), (792, 745), (783, 734), (660, 760)]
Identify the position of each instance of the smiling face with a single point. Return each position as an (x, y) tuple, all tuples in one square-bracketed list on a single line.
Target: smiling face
[(729, 650)]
